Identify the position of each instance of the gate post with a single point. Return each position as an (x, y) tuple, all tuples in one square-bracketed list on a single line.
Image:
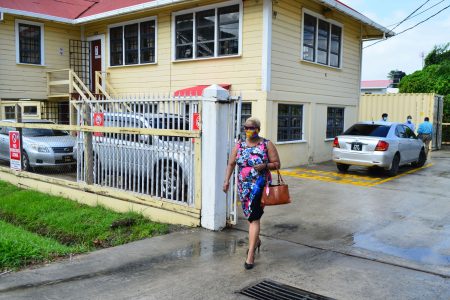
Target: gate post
[(215, 102)]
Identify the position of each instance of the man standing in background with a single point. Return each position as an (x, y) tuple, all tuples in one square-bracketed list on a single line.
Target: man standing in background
[(410, 124), (424, 132)]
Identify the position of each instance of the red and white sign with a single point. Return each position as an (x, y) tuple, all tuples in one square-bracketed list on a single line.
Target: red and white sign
[(99, 120), (14, 150), (196, 121)]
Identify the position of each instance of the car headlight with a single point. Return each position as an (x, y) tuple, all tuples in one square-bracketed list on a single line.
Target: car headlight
[(40, 148)]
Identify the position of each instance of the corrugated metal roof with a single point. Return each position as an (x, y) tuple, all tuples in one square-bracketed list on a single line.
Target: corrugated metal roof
[(82, 11)]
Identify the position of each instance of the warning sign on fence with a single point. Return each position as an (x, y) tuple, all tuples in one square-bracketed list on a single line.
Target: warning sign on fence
[(99, 120), (14, 150)]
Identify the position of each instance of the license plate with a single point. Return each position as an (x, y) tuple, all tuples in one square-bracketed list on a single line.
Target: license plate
[(356, 146), (67, 158)]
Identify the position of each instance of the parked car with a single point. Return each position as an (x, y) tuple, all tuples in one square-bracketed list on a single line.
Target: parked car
[(42, 147), (378, 144), (157, 165)]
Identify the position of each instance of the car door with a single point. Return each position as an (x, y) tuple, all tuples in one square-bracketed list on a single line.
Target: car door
[(403, 144), (414, 145), (4, 144)]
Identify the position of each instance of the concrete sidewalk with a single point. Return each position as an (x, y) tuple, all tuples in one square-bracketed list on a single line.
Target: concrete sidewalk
[(199, 264), (389, 241)]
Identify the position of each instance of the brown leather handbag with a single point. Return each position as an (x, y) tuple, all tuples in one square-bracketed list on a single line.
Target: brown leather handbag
[(275, 194)]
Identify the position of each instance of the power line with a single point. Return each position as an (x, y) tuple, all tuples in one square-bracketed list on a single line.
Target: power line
[(407, 29), (410, 14), (418, 14)]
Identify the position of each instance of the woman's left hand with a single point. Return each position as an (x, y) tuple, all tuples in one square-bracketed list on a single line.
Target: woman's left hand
[(259, 167)]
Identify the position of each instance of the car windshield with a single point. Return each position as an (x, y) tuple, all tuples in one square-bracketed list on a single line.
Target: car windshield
[(368, 130), (35, 132)]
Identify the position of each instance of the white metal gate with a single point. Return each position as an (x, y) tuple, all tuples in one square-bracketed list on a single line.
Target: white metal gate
[(234, 129), (144, 145)]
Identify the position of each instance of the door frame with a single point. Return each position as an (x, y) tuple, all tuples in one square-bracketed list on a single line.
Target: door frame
[(102, 39)]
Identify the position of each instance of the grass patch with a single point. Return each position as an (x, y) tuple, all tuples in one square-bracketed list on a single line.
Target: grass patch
[(73, 225), (19, 247)]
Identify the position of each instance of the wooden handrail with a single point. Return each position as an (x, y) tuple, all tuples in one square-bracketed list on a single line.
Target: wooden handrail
[(81, 83)]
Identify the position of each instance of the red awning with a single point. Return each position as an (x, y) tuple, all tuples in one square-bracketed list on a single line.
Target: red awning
[(197, 90)]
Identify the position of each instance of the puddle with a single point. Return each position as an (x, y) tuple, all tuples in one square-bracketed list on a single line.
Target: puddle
[(429, 255)]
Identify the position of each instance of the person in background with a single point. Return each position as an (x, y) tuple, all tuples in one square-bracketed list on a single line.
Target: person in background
[(384, 117), (410, 124), (255, 157), (424, 132)]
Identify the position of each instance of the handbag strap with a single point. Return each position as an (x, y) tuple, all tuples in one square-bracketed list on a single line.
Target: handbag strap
[(279, 177)]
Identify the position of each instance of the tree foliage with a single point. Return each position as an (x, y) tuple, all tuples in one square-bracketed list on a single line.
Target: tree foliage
[(433, 78)]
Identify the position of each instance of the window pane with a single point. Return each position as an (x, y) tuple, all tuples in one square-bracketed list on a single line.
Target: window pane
[(335, 47), (335, 121), (131, 44), (309, 37), (246, 112), (147, 42), (116, 46), (30, 110), (229, 30), (322, 57), (290, 119), (29, 44), (205, 33), (10, 112), (184, 28), (334, 60)]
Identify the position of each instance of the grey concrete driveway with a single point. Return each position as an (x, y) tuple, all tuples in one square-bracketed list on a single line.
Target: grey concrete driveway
[(403, 221), (388, 241)]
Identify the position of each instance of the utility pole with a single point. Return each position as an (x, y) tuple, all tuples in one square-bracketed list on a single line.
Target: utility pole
[(422, 55)]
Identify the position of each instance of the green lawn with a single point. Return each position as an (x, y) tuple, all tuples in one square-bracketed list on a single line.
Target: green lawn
[(68, 227)]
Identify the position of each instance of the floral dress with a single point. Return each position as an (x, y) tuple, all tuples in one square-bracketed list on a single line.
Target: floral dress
[(250, 181)]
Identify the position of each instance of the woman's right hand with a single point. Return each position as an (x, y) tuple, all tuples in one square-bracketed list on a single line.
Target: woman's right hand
[(226, 186)]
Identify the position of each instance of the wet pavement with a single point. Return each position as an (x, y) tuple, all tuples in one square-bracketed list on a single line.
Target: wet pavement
[(387, 241)]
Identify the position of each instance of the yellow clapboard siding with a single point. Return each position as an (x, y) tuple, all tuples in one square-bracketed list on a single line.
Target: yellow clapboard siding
[(287, 66), (243, 71), (25, 81)]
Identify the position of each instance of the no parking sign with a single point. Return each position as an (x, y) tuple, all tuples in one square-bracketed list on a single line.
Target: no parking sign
[(14, 150), (99, 120)]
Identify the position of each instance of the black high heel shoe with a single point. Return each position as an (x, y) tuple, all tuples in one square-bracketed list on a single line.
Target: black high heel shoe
[(248, 266)]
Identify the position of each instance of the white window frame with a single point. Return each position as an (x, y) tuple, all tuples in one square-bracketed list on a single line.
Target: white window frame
[(302, 138), (216, 38), (331, 21), (123, 24), (41, 25), (30, 105)]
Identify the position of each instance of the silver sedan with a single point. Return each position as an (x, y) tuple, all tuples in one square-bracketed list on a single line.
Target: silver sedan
[(42, 147), (378, 144)]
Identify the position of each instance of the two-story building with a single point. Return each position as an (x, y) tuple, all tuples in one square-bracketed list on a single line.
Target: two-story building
[(296, 63)]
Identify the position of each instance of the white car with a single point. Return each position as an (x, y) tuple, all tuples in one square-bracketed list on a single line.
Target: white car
[(378, 144)]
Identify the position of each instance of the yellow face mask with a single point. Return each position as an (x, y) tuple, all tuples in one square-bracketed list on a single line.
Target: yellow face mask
[(251, 133)]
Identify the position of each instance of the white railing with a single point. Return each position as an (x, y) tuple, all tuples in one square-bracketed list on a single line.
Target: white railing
[(145, 145)]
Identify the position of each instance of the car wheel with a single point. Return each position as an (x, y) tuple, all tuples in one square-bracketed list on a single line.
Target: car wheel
[(342, 167), (421, 160), (26, 162), (393, 170), (170, 182)]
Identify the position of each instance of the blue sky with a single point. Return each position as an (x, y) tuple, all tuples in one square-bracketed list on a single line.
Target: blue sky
[(402, 52)]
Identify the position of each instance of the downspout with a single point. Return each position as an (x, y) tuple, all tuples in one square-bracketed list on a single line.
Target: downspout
[(360, 71), (266, 46)]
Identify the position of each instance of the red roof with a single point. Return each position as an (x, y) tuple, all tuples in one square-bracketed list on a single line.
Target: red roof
[(197, 90), (375, 84), (72, 9)]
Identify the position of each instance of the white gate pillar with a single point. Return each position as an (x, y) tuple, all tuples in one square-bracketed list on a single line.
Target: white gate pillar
[(215, 107)]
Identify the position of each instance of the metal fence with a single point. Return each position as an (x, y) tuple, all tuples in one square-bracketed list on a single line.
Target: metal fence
[(145, 145)]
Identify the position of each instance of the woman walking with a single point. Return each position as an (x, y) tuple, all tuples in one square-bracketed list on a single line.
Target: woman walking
[(255, 157)]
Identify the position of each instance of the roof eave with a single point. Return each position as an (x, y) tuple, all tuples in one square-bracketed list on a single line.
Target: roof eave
[(385, 33), (36, 15)]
